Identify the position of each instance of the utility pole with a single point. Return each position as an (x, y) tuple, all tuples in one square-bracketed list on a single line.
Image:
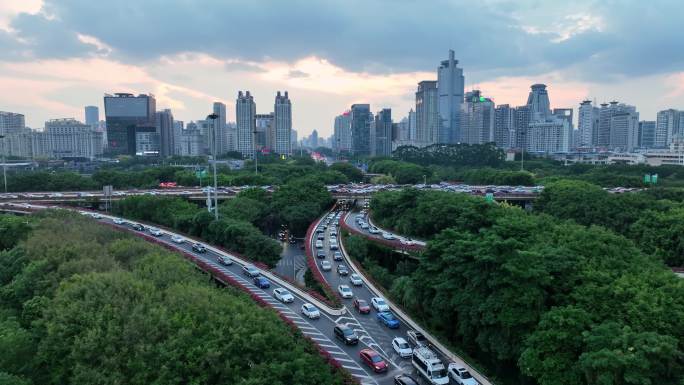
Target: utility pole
[(256, 157), (213, 118)]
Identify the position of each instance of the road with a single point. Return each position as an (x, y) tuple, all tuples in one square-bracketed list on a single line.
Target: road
[(395, 242), (292, 262)]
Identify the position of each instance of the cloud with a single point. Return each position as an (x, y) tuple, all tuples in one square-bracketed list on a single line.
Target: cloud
[(297, 74), (240, 66)]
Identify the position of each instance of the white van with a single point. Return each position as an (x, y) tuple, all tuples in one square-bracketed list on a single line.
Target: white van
[(429, 366)]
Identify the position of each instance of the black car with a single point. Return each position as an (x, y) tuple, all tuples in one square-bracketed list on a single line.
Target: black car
[(346, 334), (320, 254), (337, 256), (342, 270), (404, 379), (198, 247), (139, 227)]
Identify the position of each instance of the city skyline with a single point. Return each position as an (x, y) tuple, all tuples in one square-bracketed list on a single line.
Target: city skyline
[(589, 51)]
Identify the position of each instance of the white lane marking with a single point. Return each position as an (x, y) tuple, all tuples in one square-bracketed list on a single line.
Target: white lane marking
[(354, 367), (343, 359)]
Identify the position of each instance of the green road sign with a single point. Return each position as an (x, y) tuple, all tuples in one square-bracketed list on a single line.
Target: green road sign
[(647, 178), (489, 197)]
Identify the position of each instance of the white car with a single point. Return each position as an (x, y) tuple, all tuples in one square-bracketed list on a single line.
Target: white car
[(326, 266), (319, 244), (461, 375), (177, 239), (402, 347), (96, 216), (345, 291), (408, 241), (283, 295), (374, 230), (388, 236), (118, 221), (222, 259), (355, 280), (156, 232), (310, 311), (364, 225), (379, 304)]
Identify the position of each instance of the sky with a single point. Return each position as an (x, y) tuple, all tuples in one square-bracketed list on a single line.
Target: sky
[(57, 56)]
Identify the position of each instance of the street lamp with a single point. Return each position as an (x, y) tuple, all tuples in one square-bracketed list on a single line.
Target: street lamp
[(256, 157), (213, 118)]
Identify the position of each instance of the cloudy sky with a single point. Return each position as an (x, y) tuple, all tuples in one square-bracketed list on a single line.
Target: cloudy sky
[(57, 56)]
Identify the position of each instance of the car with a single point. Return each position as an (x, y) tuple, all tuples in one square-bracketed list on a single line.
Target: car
[(379, 304), (404, 379), (373, 230), (177, 239), (461, 375), (333, 233), (138, 227), (96, 216), (416, 338), (262, 282), (326, 266), (355, 280), (402, 347), (310, 311), (282, 295), (222, 259), (333, 245), (388, 319), (345, 334), (251, 271), (373, 359), (408, 241), (156, 232), (320, 254), (364, 225), (319, 244), (362, 306), (345, 291), (337, 256), (320, 237), (388, 236), (198, 247), (342, 270)]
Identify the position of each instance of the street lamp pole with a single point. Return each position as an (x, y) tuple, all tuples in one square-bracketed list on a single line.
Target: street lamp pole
[(256, 157), (213, 118)]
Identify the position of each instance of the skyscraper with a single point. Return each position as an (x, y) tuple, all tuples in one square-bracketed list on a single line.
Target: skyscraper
[(245, 111), (588, 124), (544, 132), (11, 122), (92, 116), (342, 137), (69, 138), (538, 101), (477, 119), (647, 130), (130, 119), (450, 87), (165, 128), (222, 136), (522, 122), (427, 114), (618, 126), (361, 119), (382, 133), (265, 132), (668, 125), (504, 126), (282, 112), (412, 126)]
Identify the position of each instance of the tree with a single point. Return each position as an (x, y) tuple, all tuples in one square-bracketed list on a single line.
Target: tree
[(12, 230), (352, 173)]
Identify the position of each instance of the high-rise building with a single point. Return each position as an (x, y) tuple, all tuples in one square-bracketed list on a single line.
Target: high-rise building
[(11, 122), (342, 137), (69, 138), (293, 139), (411, 126), (538, 101), (190, 141), (313, 139), (265, 132), (477, 119), (450, 87), (178, 128), (245, 111), (605, 115), (361, 119), (522, 122), (504, 126), (588, 124), (624, 128), (222, 135), (92, 116), (647, 129), (381, 135), (282, 112), (165, 128), (427, 114), (129, 119), (668, 126)]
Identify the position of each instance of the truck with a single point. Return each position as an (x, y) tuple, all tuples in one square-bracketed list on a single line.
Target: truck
[(429, 366)]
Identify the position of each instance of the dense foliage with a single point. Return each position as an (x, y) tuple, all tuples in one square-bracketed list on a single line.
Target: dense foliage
[(651, 219), (82, 304), (535, 298), (461, 154)]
